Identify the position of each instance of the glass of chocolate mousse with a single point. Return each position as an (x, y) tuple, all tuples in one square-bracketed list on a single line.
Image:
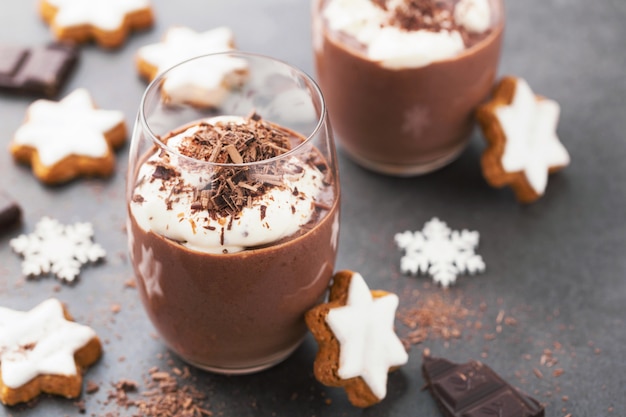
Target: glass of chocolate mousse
[(402, 78), (233, 208)]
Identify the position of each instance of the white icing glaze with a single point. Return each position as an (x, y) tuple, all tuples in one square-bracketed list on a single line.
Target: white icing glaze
[(52, 342), (474, 15), (103, 14), (531, 145), (396, 48), (182, 43), (72, 126), (284, 212), (364, 328), (205, 83)]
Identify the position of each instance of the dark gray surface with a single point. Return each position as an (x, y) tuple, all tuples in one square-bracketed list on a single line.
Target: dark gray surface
[(557, 266)]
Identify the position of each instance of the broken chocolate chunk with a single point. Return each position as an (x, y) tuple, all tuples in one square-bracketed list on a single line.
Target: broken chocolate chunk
[(40, 71), (164, 173), (474, 390), (10, 212)]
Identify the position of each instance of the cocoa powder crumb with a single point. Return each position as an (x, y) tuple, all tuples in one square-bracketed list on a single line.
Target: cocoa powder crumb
[(434, 317), (91, 387), (165, 395)]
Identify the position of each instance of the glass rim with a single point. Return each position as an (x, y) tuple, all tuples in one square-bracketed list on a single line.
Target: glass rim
[(246, 55)]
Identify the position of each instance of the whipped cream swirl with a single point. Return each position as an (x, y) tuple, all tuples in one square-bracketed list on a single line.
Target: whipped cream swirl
[(277, 214)]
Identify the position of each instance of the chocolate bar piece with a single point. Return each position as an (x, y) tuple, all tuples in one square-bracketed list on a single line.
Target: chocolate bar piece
[(39, 70), (474, 390), (10, 212)]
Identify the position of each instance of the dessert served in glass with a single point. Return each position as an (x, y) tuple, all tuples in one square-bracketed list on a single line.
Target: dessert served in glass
[(402, 78), (233, 208)]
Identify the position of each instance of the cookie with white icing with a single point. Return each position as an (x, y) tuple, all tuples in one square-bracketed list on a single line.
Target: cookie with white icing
[(108, 22), (179, 44), (43, 351), (358, 346), (523, 147), (201, 85), (70, 138)]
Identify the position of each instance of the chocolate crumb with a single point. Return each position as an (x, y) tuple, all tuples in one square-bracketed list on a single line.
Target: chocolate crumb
[(81, 406), (164, 396), (91, 387), (163, 173), (126, 385), (137, 198)]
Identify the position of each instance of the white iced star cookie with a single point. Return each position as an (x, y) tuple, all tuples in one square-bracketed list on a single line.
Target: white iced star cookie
[(108, 22), (202, 85), (358, 346), (523, 147), (43, 351), (66, 139)]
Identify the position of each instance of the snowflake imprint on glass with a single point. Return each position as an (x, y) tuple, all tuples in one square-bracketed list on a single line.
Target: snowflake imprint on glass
[(57, 248), (416, 120), (440, 252)]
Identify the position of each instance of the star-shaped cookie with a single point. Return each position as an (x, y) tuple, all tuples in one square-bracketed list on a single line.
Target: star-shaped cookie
[(200, 85), (357, 342), (66, 139), (108, 22), (179, 44), (42, 350), (523, 147)]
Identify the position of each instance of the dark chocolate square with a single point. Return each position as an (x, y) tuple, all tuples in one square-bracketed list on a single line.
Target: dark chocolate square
[(38, 70), (475, 390), (10, 212)]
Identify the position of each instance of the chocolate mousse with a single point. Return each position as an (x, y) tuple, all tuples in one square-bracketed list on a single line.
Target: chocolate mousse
[(233, 234), (402, 78)]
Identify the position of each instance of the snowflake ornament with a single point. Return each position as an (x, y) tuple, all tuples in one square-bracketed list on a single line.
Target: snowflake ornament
[(57, 248), (440, 252)]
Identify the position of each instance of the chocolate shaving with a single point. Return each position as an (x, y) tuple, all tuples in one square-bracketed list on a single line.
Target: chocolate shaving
[(164, 173), (424, 15), (430, 15), (229, 144)]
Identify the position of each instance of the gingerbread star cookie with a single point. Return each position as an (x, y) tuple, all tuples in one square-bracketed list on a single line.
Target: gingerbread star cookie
[(523, 147), (43, 351), (201, 85), (358, 346), (66, 139), (108, 22)]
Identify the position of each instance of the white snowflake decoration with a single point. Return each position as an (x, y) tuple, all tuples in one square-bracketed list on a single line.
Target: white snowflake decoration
[(440, 252), (57, 248)]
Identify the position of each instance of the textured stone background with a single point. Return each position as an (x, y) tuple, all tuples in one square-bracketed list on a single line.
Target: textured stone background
[(557, 266)]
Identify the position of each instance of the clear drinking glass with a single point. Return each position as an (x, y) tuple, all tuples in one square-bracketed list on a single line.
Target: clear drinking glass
[(229, 253), (402, 83)]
